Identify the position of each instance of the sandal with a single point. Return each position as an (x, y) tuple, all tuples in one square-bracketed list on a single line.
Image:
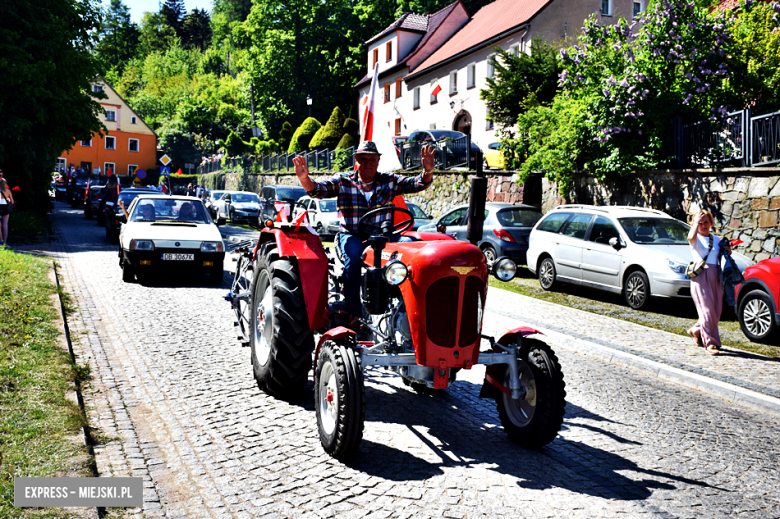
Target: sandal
[(712, 349), (696, 339)]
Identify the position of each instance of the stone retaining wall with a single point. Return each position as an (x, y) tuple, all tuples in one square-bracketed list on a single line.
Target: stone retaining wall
[(744, 202)]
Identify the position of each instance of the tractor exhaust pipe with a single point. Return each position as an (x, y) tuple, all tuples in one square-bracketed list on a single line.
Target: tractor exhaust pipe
[(477, 198)]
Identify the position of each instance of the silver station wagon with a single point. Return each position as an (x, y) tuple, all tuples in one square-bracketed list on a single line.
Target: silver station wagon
[(639, 252)]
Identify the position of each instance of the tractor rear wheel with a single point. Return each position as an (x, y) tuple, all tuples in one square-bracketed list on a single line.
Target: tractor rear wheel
[(339, 399), (280, 338), (534, 420)]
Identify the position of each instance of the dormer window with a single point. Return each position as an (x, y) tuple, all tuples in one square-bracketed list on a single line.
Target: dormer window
[(389, 51)]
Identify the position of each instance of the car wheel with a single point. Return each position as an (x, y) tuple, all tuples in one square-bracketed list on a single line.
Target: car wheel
[(490, 255), (320, 229), (232, 216), (755, 316), (636, 290), (485, 164), (128, 275), (547, 274), (215, 275)]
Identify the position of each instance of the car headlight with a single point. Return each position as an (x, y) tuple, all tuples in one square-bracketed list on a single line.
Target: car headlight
[(211, 246), (395, 272), (676, 267), (505, 269), (141, 245)]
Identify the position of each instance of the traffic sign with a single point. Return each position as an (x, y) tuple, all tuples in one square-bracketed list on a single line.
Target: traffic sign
[(165, 171), (165, 159), (140, 174)]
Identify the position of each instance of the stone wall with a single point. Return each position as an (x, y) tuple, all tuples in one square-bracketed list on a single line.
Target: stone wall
[(745, 202)]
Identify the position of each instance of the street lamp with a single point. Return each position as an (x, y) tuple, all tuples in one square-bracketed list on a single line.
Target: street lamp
[(308, 102)]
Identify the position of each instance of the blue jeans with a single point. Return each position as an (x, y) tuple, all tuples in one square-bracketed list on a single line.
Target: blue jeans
[(352, 249)]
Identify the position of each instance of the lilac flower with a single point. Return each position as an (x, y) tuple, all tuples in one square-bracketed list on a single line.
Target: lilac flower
[(688, 99)]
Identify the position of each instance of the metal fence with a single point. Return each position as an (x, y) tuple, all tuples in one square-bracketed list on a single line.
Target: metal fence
[(709, 143), (450, 153), (765, 140)]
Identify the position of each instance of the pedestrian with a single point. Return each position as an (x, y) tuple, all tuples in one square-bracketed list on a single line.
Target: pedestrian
[(110, 196), (706, 287), (6, 206)]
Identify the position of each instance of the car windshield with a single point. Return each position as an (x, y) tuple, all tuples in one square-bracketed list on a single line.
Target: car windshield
[(128, 196), (438, 135), (417, 212), (518, 217), (328, 206), (216, 195), (655, 231), (169, 210), (294, 193), (245, 198)]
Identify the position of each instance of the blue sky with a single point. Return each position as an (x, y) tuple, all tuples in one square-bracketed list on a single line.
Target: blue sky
[(137, 7)]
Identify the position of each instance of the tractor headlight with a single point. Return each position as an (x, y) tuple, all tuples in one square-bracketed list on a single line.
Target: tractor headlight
[(141, 245), (504, 269), (395, 272), (211, 246)]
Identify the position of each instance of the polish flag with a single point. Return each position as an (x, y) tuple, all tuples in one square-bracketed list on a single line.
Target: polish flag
[(375, 127), (303, 218), (436, 90)]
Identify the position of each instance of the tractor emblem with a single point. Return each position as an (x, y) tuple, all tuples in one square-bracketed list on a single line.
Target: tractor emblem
[(463, 270)]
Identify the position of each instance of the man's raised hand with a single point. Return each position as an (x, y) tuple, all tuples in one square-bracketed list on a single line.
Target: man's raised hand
[(301, 168), (428, 153)]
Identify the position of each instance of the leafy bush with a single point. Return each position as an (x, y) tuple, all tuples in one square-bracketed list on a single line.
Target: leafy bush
[(328, 136), (235, 146), (341, 159), (303, 135), (347, 141), (284, 134), (352, 127)]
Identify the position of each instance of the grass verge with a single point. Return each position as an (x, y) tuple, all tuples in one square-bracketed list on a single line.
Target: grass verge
[(27, 226), (671, 315), (39, 426)]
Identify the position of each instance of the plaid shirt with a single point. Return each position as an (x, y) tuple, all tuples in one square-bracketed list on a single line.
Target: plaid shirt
[(351, 199)]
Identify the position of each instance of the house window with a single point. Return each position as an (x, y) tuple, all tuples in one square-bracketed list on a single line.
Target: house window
[(637, 9), (453, 83), (387, 93), (434, 88), (606, 7), (389, 51), (432, 126), (97, 88), (491, 66), (133, 145), (471, 72), (398, 88), (110, 115), (62, 163), (398, 126), (376, 58), (87, 144), (515, 49), (110, 143), (488, 122), (134, 120), (416, 104), (108, 166), (131, 169)]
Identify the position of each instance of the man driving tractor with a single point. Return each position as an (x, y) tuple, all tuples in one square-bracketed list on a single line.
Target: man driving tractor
[(357, 193)]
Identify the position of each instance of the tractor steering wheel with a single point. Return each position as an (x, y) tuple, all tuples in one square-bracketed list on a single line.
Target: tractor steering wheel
[(366, 229)]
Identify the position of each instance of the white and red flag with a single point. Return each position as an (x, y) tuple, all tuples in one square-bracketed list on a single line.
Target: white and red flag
[(376, 128), (436, 90)]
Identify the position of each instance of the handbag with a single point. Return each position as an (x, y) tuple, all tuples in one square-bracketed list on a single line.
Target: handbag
[(6, 207), (695, 268)]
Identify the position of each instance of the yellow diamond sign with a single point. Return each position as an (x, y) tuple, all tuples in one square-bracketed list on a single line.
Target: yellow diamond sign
[(165, 159)]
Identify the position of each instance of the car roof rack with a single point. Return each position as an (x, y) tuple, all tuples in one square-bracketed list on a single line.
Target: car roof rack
[(612, 208), (581, 206)]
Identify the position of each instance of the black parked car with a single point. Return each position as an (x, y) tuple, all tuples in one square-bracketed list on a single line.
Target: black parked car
[(447, 143), (77, 189), (113, 214), (272, 197), (93, 201)]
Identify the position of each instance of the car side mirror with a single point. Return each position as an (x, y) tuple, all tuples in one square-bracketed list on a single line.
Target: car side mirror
[(121, 218), (615, 243), (221, 221)]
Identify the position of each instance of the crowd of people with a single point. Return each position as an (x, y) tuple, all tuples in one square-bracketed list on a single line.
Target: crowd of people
[(216, 157)]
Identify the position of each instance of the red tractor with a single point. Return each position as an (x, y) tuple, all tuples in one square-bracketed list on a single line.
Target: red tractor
[(423, 305)]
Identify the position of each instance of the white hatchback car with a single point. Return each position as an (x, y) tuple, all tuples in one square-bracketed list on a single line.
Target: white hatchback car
[(639, 252), (321, 212), (170, 234)]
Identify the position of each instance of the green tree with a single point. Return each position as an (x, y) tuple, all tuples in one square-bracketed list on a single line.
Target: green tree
[(303, 135), (328, 136), (174, 11), (118, 37), (285, 134), (521, 81), (196, 32), (46, 102), (156, 35)]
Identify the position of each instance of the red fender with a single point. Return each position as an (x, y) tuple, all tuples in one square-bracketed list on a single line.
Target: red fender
[(339, 332), (510, 336), (307, 249), (494, 374)]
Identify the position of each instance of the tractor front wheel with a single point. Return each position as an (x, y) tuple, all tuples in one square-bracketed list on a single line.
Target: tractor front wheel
[(339, 399), (534, 420), (280, 338)]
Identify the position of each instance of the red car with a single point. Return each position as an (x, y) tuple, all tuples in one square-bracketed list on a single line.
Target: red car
[(757, 300)]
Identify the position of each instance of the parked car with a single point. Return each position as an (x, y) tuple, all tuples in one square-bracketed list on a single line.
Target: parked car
[(77, 190), (420, 217), (443, 137), (634, 251), (94, 196), (505, 231), (272, 198), (114, 215), (398, 142), (321, 212), (212, 195), (494, 157), (335, 225), (158, 237), (757, 299), (238, 206)]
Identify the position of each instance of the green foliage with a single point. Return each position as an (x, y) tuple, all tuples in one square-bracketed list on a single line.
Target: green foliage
[(347, 141), (263, 147), (156, 35), (235, 146), (328, 136), (196, 29), (118, 39), (351, 127), (285, 134), (303, 135), (521, 81), (342, 158), (173, 12), (46, 103)]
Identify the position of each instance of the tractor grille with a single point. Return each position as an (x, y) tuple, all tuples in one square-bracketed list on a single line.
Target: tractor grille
[(441, 311), (469, 322)]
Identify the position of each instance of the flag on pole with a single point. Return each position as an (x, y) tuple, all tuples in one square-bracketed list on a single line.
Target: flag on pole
[(436, 90), (375, 128)]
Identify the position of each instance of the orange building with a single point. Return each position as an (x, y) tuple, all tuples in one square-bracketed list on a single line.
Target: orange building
[(128, 144)]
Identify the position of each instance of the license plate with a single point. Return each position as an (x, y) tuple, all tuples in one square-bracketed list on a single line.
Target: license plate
[(178, 257)]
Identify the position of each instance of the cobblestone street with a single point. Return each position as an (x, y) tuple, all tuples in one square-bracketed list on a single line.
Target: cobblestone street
[(173, 399)]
